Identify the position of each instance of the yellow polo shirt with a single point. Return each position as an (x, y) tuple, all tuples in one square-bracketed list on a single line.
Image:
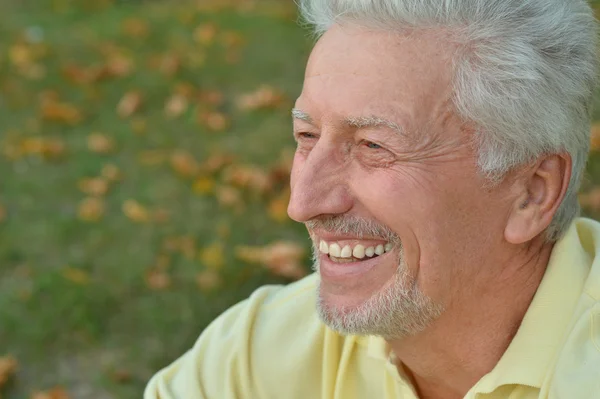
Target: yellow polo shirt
[(273, 346)]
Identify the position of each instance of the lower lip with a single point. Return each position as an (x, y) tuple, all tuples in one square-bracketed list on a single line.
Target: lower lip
[(341, 271)]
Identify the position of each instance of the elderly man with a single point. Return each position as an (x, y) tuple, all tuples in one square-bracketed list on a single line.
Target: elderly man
[(441, 144)]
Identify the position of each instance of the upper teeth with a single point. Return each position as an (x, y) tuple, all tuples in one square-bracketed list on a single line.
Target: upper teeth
[(359, 251)]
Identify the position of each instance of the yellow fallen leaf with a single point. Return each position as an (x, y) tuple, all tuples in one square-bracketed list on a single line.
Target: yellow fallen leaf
[(118, 66), (136, 211), (76, 276), (48, 148), (216, 162), (204, 185), (60, 112), (8, 367), (20, 55), (91, 209), (139, 126), (229, 197), (158, 280), (213, 256), (176, 105), (213, 120), (208, 280), (54, 393), (94, 186), (100, 143), (129, 104), (111, 172), (249, 177), (184, 164)]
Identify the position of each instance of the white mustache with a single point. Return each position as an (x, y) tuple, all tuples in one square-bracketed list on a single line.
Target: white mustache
[(352, 225)]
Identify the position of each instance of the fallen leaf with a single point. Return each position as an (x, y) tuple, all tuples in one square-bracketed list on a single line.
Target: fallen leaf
[(139, 126), (135, 28), (169, 64), (100, 143), (265, 97), (8, 367), (216, 163), (205, 34), (213, 120), (20, 55), (249, 177), (161, 215), (121, 376), (60, 112), (54, 393), (135, 211), (281, 258), (152, 157), (176, 105), (111, 172), (213, 256), (278, 207), (595, 137), (212, 97), (184, 164), (46, 147), (94, 186), (82, 75), (158, 280), (204, 185), (231, 39), (129, 104), (119, 66), (591, 199), (209, 280), (76, 276), (91, 209), (229, 197)]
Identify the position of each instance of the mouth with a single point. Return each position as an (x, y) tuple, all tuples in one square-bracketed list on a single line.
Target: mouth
[(351, 258)]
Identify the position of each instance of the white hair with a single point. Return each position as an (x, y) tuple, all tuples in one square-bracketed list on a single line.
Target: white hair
[(524, 74)]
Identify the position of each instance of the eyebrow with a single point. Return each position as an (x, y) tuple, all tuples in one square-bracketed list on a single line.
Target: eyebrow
[(356, 122)]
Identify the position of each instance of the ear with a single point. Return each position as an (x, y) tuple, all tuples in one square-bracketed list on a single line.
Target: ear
[(541, 191)]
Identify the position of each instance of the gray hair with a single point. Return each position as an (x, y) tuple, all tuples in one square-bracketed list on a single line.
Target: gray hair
[(524, 74)]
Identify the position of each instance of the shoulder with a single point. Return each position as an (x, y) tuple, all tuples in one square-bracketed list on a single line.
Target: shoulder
[(577, 373)]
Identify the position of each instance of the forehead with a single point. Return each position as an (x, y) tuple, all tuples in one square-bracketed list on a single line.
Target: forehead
[(353, 69)]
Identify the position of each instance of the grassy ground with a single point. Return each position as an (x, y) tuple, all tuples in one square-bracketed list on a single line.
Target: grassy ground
[(142, 146)]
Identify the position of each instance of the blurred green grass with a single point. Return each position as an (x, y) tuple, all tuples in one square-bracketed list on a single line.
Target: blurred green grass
[(77, 308)]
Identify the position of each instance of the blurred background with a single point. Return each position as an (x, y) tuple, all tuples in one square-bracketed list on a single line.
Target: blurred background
[(145, 148)]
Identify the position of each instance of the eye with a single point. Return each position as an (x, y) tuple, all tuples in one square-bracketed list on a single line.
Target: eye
[(305, 135), (373, 146)]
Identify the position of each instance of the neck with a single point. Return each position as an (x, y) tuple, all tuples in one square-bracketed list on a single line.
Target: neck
[(466, 342)]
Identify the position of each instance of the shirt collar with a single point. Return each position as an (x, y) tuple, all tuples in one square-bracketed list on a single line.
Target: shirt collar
[(530, 354)]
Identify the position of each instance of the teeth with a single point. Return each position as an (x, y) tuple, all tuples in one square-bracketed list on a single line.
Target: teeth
[(335, 250), (359, 251), (346, 252), (388, 247), (370, 252), (379, 250), (323, 247)]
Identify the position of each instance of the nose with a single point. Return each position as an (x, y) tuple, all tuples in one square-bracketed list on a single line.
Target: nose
[(319, 184)]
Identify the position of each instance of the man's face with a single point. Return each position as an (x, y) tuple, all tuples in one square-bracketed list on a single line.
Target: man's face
[(385, 179)]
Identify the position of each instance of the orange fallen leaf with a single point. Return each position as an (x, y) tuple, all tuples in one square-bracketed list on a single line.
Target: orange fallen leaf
[(169, 64), (213, 120), (176, 105), (281, 258), (209, 280), (204, 185), (121, 376), (100, 143), (212, 97), (48, 148), (129, 104), (595, 137), (135, 211), (229, 197), (158, 280), (135, 27), (249, 177), (60, 112), (119, 66), (216, 162), (205, 34), (80, 75), (265, 97), (213, 256), (111, 172), (76, 276), (278, 207), (54, 393), (94, 186), (184, 164), (91, 209), (8, 367)]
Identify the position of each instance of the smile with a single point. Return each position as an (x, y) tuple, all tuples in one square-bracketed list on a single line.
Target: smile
[(343, 252)]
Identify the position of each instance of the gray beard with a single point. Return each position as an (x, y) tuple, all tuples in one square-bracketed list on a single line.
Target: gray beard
[(399, 310)]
